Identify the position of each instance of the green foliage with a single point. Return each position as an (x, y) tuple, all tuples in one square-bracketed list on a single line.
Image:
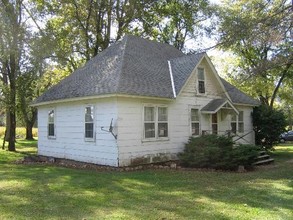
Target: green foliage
[(268, 124), (168, 21), (217, 152), (20, 132), (258, 32)]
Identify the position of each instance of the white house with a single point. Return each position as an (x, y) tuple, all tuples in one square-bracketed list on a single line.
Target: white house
[(138, 102)]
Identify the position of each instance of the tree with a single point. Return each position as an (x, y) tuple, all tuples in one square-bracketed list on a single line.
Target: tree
[(174, 21), (268, 124), (259, 33), (11, 49), (88, 28)]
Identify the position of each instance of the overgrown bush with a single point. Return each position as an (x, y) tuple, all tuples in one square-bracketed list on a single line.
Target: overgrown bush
[(217, 152), (268, 124)]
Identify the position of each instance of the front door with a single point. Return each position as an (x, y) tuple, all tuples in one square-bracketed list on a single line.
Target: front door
[(215, 123)]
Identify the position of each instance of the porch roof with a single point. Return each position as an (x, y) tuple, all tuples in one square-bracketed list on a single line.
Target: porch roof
[(216, 104)]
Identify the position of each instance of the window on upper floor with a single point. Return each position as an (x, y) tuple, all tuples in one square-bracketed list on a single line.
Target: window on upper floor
[(51, 123), (155, 122), (201, 80), (89, 122)]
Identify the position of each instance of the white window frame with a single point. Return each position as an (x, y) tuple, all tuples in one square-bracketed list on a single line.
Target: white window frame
[(50, 123), (156, 122), (89, 139), (234, 120), (213, 123), (193, 122), (238, 122), (201, 80)]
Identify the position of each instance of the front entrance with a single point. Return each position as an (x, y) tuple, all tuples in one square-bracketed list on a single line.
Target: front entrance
[(215, 123)]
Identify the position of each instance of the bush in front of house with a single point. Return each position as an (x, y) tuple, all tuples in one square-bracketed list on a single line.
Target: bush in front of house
[(217, 152), (268, 124)]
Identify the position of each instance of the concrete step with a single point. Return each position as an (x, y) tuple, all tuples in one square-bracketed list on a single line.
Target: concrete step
[(264, 156), (262, 162)]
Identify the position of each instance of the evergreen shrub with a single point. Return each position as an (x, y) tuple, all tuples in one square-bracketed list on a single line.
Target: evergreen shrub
[(217, 152)]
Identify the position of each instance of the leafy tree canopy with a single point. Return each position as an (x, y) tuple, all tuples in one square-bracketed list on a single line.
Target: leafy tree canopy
[(259, 34)]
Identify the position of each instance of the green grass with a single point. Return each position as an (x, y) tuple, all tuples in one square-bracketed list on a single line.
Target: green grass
[(49, 192)]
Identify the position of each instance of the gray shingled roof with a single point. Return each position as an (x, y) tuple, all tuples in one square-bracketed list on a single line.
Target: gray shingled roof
[(182, 68), (133, 66), (237, 96), (213, 105)]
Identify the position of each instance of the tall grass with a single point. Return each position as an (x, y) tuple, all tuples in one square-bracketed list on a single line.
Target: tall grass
[(20, 132)]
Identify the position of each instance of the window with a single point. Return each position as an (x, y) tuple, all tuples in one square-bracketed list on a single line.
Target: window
[(89, 122), (155, 122), (194, 122), (237, 123), (162, 122), (234, 123), (51, 123), (214, 123), (201, 80), (149, 122), (240, 122)]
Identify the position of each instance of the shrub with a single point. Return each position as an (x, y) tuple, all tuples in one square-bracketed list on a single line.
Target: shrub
[(268, 124), (217, 152)]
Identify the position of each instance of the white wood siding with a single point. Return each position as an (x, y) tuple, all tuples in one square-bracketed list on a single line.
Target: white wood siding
[(130, 121), (69, 129)]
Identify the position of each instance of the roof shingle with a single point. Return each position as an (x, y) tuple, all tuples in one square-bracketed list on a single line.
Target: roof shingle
[(133, 66)]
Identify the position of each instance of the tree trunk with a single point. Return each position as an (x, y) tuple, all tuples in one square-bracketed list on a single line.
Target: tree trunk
[(7, 128), (29, 132), (11, 142)]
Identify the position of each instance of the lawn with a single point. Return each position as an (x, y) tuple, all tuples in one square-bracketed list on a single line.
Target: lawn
[(50, 192)]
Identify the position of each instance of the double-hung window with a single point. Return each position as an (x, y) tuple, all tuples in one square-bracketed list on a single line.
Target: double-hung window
[(237, 123), (155, 122), (51, 123), (240, 122), (195, 123), (201, 80), (234, 123), (162, 122), (89, 122)]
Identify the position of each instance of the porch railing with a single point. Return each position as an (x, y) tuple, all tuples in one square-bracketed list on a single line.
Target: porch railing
[(235, 136)]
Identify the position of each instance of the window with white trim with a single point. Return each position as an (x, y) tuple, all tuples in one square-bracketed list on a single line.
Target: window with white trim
[(51, 123), (155, 122), (234, 123), (162, 122), (201, 80), (241, 122), (195, 123), (237, 122), (89, 122)]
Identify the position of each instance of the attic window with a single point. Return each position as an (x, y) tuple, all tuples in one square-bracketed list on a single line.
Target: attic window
[(201, 80)]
